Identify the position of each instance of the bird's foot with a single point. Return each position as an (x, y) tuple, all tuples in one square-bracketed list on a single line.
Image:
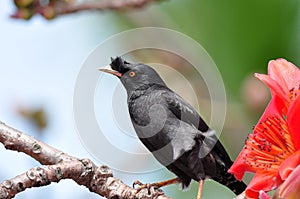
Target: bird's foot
[(152, 188)]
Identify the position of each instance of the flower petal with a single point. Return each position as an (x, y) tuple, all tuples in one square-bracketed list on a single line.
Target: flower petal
[(265, 149), (275, 108), (275, 87), (291, 187), (263, 195), (285, 73), (262, 182), (239, 167), (283, 79), (289, 164), (293, 120)]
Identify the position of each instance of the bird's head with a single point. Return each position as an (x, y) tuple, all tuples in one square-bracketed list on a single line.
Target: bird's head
[(133, 76)]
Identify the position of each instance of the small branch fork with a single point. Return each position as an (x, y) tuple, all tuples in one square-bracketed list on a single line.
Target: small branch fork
[(59, 165)]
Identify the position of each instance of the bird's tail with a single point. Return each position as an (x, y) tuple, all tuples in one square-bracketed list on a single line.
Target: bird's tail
[(231, 182)]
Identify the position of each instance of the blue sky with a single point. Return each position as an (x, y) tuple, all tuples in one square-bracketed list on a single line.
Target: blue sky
[(40, 61), (39, 64)]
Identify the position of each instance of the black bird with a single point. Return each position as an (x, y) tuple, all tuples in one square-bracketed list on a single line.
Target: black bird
[(172, 129)]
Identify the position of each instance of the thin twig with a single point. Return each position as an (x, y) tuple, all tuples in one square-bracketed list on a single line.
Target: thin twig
[(62, 9), (56, 8), (107, 5)]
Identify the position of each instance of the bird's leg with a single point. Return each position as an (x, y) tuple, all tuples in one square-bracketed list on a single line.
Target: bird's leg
[(155, 185), (166, 182), (199, 195)]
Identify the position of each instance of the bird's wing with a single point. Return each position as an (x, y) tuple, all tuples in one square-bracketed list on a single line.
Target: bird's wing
[(185, 112)]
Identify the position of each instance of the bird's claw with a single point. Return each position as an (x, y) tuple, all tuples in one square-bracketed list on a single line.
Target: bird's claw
[(137, 182), (153, 189)]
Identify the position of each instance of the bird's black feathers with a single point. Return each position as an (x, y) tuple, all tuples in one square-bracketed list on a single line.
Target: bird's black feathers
[(173, 130), (120, 65), (184, 111), (188, 114)]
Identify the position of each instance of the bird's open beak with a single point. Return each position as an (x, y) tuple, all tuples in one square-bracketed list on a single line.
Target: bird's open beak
[(109, 70)]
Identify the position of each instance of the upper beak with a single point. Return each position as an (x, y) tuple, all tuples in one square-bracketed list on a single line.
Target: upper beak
[(109, 70)]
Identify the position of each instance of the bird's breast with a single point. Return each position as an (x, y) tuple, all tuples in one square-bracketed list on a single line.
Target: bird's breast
[(149, 113), (150, 116)]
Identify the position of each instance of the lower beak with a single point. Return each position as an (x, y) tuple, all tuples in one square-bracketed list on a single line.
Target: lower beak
[(109, 70)]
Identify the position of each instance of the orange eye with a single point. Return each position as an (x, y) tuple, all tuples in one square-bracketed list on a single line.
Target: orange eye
[(131, 74)]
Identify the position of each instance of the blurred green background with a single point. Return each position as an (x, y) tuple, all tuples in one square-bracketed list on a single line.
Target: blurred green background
[(240, 36)]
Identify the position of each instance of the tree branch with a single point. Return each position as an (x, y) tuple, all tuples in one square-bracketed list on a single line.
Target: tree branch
[(62, 7), (107, 5), (58, 166), (15, 140)]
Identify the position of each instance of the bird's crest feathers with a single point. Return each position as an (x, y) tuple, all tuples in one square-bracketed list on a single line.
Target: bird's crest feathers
[(120, 65)]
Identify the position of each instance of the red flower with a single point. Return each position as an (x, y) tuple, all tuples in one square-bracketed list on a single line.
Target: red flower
[(284, 81), (272, 152), (291, 187)]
